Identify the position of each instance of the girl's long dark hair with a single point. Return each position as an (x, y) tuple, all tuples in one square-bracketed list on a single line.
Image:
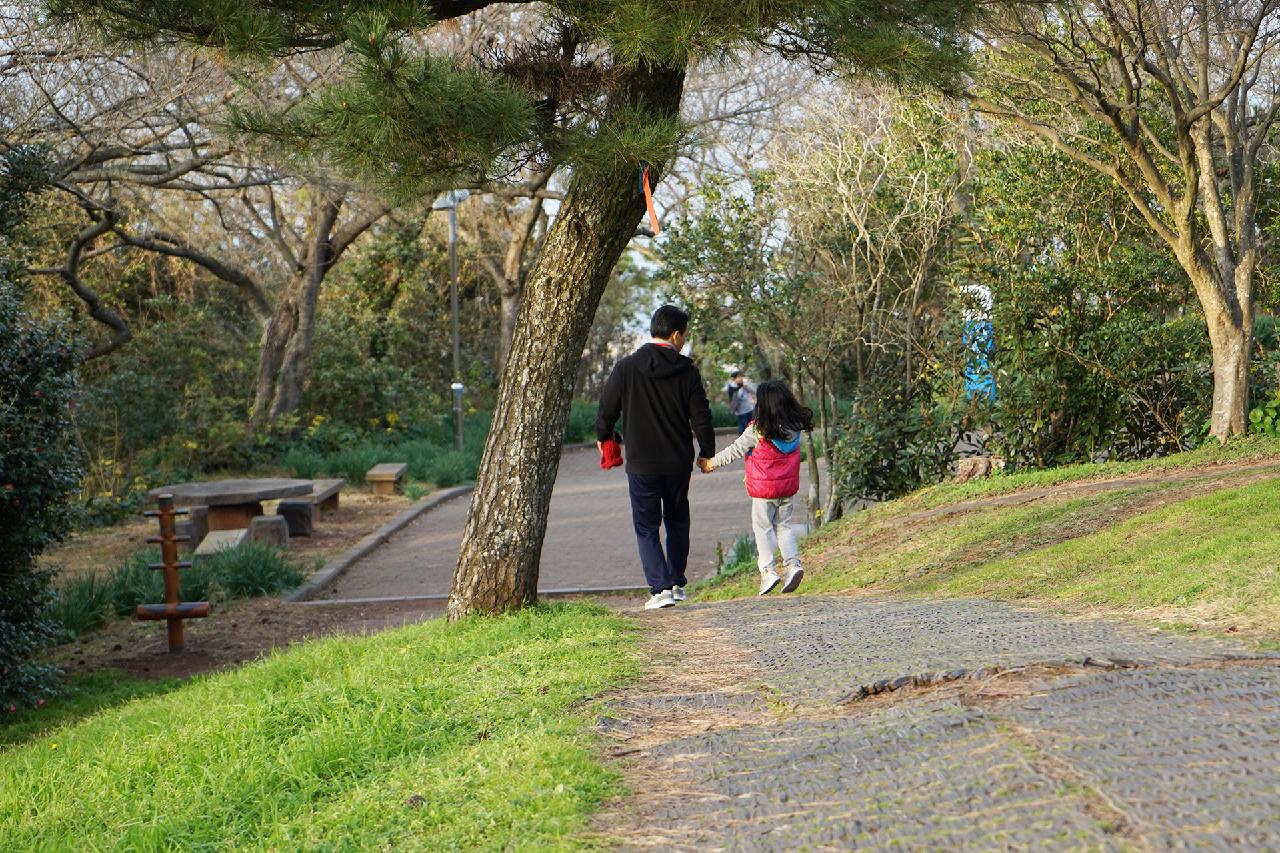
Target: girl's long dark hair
[(778, 412)]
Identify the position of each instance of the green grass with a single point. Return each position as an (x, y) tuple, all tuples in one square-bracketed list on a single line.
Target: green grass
[(81, 697), (1194, 552), (876, 549), (328, 746), (1216, 551), (1191, 552), (1241, 450)]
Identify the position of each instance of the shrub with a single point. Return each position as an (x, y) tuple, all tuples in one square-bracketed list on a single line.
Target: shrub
[(415, 491), (582, 423), (453, 467), (250, 570), (1264, 419), (895, 444), (721, 416), (39, 459), (426, 448)]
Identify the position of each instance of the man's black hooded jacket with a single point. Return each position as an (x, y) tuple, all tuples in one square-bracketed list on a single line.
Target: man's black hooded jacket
[(659, 394)]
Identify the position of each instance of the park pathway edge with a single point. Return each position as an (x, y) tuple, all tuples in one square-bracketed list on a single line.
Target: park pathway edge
[(334, 568)]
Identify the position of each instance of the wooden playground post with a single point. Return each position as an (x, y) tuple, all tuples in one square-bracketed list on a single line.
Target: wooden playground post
[(172, 611)]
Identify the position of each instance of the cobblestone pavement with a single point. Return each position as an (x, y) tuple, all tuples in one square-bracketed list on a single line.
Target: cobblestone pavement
[(1013, 730), (832, 649)]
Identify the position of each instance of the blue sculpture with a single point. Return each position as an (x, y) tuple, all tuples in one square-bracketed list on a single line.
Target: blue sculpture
[(979, 379)]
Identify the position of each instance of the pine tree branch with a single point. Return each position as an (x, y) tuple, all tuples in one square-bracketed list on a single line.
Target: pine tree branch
[(283, 27)]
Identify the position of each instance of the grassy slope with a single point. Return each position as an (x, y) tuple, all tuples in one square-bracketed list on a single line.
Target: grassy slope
[(1182, 551), (82, 696), (324, 745)]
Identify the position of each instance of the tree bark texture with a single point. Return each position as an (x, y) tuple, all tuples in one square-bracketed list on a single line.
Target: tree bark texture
[(1231, 340), (502, 542)]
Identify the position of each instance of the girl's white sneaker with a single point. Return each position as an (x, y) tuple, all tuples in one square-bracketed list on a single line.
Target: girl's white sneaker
[(768, 580), (795, 574), (660, 600)]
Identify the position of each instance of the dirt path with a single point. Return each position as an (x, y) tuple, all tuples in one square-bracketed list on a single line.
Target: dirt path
[(836, 723), (1087, 487)]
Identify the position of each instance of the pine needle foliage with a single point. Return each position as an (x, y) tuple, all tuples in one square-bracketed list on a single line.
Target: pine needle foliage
[(405, 122), (248, 28), (900, 40), (412, 121)]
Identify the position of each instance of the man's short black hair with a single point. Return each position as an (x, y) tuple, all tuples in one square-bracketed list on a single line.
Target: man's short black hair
[(668, 320), (735, 374)]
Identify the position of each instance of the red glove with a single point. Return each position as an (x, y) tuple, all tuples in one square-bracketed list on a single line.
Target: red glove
[(610, 453)]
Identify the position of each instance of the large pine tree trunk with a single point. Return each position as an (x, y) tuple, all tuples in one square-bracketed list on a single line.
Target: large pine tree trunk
[(502, 542)]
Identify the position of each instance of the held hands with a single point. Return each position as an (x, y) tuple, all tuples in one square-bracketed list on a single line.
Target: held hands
[(704, 464)]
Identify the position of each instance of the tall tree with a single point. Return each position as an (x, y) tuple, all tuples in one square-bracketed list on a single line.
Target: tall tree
[(1174, 100), (598, 88)]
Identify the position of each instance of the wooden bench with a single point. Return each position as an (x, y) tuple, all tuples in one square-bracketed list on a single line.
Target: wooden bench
[(324, 493), (300, 512), (385, 478)]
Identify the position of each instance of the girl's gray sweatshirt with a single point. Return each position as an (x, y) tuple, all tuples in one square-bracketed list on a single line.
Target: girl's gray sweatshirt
[(745, 443)]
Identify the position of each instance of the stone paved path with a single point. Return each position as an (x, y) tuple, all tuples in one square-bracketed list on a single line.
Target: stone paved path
[(589, 542), (833, 723)]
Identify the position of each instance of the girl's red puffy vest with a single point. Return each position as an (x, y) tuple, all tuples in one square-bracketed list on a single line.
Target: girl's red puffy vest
[(772, 473)]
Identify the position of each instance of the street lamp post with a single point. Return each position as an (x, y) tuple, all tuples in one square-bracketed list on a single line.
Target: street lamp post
[(449, 201)]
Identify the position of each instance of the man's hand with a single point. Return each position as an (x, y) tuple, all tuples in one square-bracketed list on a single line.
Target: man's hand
[(704, 465)]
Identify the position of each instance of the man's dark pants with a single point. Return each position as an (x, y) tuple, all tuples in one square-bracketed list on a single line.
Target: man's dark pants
[(655, 499), (745, 419)]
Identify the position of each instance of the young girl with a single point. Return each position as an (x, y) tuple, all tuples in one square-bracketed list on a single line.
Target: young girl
[(771, 445)]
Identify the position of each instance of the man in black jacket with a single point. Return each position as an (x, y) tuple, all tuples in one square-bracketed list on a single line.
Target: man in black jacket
[(659, 394)]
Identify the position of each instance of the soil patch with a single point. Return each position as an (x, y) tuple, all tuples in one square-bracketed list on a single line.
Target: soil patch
[(232, 635), (1084, 487)]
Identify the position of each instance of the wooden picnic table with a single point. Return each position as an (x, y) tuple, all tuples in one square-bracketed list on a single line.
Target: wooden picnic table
[(233, 503)]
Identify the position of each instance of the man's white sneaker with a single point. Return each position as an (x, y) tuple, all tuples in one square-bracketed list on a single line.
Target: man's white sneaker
[(768, 580), (795, 574), (660, 600), (677, 592)]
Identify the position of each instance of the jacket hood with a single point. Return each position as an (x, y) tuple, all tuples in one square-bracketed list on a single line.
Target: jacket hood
[(787, 445), (659, 362)]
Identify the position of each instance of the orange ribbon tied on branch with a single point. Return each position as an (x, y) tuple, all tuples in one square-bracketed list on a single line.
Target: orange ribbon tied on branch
[(648, 199)]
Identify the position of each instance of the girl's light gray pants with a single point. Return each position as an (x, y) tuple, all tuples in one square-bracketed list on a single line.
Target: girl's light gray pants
[(771, 523)]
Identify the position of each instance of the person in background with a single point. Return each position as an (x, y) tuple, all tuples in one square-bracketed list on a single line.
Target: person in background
[(742, 399), (658, 393)]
